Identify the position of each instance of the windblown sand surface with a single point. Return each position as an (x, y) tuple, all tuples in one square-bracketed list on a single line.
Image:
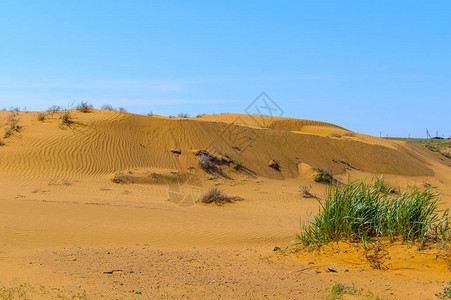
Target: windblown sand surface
[(116, 191)]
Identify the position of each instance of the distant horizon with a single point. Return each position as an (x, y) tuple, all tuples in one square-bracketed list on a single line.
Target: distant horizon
[(73, 105), (376, 68)]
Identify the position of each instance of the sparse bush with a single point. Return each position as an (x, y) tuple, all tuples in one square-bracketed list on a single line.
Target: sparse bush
[(236, 165), (13, 123), (84, 107), (107, 107), (215, 196), (324, 176), (182, 115), (66, 118), (15, 110), (53, 110), (150, 114), (2, 143), (207, 163), (362, 212), (8, 133), (351, 134), (305, 191), (122, 109), (200, 115), (41, 117), (171, 116)]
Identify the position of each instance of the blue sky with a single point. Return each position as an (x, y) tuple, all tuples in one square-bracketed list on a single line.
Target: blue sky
[(376, 67)]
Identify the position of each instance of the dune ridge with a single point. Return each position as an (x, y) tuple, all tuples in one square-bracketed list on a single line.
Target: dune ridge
[(104, 142)]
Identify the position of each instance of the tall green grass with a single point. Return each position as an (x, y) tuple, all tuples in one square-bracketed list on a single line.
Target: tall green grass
[(360, 212)]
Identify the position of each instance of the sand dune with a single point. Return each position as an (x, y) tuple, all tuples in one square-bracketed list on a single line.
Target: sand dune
[(105, 142), (104, 183)]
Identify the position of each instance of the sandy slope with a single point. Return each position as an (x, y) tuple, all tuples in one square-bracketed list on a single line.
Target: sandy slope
[(58, 204)]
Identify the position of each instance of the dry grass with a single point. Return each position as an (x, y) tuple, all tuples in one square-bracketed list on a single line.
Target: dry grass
[(305, 191), (84, 107), (217, 197), (41, 117), (107, 107), (66, 119)]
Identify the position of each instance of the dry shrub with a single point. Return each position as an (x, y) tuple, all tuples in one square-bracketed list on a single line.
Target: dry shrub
[(375, 254), (66, 118), (216, 196), (305, 191), (84, 107), (41, 117), (107, 107)]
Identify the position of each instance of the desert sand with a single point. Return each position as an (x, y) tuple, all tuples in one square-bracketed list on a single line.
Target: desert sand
[(106, 208)]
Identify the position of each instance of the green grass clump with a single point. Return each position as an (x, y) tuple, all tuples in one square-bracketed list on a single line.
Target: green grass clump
[(446, 293), (324, 176), (361, 212)]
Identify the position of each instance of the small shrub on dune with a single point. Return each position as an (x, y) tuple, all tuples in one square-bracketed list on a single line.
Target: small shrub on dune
[(66, 119), (150, 114), (13, 123), (107, 107), (207, 163), (15, 110), (183, 115), (41, 117), (8, 133), (324, 176), (84, 107), (215, 196), (236, 165), (361, 212), (122, 109), (53, 110), (2, 143), (305, 191)]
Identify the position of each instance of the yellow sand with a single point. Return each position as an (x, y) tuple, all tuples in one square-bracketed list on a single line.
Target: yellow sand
[(61, 211)]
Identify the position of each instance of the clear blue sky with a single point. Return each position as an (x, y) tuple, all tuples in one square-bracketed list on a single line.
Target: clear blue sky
[(370, 66)]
